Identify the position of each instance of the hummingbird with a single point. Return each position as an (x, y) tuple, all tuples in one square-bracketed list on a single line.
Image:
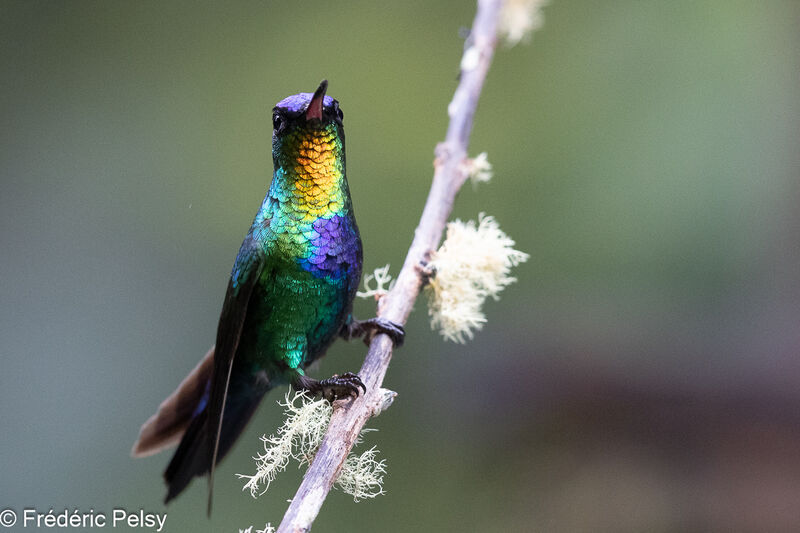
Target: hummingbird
[(289, 296)]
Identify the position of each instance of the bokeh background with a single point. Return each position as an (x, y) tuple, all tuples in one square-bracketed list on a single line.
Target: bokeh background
[(643, 373)]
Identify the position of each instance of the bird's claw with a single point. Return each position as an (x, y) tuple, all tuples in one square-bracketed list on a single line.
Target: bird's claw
[(373, 326), (337, 386), (395, 331)]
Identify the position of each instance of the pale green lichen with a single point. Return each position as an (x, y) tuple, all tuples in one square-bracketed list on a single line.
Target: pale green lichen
[(299, 438), (383, 283), (473, 263), (362, 475)]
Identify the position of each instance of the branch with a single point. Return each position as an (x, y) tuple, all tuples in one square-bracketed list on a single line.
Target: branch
[(349, 418)]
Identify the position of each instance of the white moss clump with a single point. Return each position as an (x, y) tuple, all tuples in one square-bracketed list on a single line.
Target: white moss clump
[(299, 438), (520, 18), (478, 169), (472, 264)]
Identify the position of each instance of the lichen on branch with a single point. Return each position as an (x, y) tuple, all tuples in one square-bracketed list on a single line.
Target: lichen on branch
[(299, 438), (473, 263), (383, 283)]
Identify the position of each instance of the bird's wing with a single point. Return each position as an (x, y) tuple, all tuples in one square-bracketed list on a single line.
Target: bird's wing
[(246, 271)]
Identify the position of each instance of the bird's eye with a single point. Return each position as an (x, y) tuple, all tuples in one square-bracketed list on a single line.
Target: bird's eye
[(339, 114), (277, 121)]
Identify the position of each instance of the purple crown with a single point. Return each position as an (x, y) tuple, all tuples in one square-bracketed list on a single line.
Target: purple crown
[(299, 102)]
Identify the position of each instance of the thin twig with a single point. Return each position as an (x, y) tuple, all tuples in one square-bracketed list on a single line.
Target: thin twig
[(349, 418)]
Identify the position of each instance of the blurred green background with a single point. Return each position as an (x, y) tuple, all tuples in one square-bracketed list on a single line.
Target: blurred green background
[(643, 373)]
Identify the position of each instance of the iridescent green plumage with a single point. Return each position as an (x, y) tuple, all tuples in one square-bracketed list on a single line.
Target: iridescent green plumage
[(292, 284), (290, 294), (307, 243)]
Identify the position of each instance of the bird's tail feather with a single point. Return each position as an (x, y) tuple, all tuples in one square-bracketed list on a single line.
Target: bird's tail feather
[(193, 456), (166, 427), (183, 418)]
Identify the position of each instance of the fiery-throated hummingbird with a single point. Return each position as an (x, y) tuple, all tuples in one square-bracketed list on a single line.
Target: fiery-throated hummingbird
[(289, 296)]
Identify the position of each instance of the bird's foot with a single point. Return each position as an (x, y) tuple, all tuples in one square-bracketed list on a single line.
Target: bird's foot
[(369, 328), (335, 387)]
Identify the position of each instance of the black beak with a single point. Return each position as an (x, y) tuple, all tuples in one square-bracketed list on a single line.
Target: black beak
[(314, 109)]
